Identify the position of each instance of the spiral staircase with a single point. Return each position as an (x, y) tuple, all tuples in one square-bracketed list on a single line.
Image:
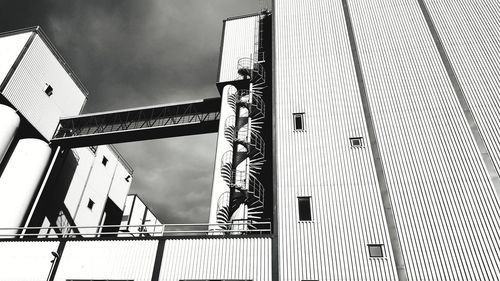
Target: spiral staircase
[(241, 166)]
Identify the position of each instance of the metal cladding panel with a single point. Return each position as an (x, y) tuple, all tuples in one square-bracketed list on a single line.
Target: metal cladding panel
[(10, 48), (470, 35), (26, 261), (120, 186), (315, 75), (444, 202), (25, 89), (103, 260), (217, 259), (86, 159), (97, 188), (238, 42)]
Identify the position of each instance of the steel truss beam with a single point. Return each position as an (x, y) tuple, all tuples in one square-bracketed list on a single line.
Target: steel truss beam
[(136, 124)]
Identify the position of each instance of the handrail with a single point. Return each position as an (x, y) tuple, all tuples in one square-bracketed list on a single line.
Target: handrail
[(209, 229)]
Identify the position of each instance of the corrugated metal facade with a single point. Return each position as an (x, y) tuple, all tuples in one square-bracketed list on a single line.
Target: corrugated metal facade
[(26, 261), (315, 75), (101, 260), (25, 89), (444, 202), (10, 48), (203, 259), (442, 195), (470, 35), (238, 42), (196, 258)]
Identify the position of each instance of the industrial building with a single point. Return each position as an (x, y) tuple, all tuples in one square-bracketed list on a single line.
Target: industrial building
[(89, 185), (138, 217), (357, 140)]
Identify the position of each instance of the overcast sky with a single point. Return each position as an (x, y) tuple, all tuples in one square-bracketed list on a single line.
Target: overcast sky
[(144, 52)]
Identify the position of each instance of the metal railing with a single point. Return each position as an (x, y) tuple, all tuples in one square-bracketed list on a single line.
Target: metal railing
[(140, 230)]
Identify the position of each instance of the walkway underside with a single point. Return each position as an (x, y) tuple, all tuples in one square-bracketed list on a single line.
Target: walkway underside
[(136, 124)]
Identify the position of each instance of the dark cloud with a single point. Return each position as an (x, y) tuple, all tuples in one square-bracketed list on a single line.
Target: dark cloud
[(135, 53)]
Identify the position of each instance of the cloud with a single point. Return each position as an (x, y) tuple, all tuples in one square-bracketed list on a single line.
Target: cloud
[(136, 53)]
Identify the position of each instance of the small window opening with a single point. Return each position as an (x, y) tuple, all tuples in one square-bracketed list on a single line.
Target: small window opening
[(298, 121), (125, 218), (104, 160), (376, 250), (356, 142), (48, 89), (304, 208), (90, 205), (127, 178)]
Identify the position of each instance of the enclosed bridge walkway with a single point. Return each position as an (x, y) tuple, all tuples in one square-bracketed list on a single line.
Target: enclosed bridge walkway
[(136, 124)]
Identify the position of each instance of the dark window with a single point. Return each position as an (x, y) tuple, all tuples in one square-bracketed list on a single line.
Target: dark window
[(304, 208), (298, 121), (48, 89), (91, 203), (356, 142), (125, 218), (104, 160), (376, 250), (127, 178)]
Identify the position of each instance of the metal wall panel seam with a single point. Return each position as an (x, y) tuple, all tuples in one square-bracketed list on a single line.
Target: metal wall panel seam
[(390, 220), (479, 139)]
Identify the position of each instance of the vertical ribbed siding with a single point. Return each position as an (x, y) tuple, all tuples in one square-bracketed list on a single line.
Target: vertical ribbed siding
[(445, 206), (25, 89), (232, 258), (26, 261), (127, 260), (470, 36), (315, 75), (238, 42)]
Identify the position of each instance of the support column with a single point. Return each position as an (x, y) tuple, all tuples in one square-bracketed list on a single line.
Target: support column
[(9, 123), (20, 181)]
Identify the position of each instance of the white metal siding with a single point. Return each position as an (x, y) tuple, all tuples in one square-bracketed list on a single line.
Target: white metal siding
[(315, 75), (87, 260), (26, 261), (471, 37), (238, 42), (10, 48), (79, 179), (445, 206), (25, 89), (233, 258)]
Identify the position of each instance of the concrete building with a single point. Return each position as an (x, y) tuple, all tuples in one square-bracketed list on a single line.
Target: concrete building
[(365, 132)]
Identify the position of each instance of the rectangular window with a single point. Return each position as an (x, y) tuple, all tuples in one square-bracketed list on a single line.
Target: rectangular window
[(48, 89), (104, 160), (304, 208), (376, 250), (90, 205), (356, 142), (298, 121)]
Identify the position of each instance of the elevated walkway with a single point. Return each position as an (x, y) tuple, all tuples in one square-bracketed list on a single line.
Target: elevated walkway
[(136, 124)]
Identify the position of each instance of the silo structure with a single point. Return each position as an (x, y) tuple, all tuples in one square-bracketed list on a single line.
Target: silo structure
[(9, 123), (21, 179)]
